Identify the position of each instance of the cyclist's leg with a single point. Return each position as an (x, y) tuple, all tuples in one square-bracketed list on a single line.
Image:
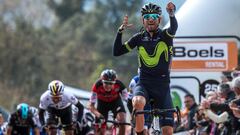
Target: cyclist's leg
[(120, 113), (139, 101), (52, 121), (66, 119), (164, 101), (103, 108)]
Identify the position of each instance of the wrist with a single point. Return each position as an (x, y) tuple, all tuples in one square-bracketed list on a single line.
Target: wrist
[(120, 29)]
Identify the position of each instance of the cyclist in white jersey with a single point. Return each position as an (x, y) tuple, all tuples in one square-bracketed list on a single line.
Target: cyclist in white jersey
[(57, 103)]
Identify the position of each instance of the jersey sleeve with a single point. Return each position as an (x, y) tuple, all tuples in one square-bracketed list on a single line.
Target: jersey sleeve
[(132, 42), (94, 88), (171, 31), (93, 98), (120, 49), (72, 98), (121, 85), (11, 120), (43, 102)]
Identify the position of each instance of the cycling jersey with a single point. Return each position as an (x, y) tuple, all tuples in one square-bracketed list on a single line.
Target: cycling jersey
[(154, 53), (19, 126), (66, 100), (99, 93)]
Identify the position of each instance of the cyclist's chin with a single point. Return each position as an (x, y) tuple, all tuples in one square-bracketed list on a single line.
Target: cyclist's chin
[(55, 101), (151, 28)]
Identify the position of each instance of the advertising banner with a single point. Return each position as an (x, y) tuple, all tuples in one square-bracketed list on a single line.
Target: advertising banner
[(204, 56)]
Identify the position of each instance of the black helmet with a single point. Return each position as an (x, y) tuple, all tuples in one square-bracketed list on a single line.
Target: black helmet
[(109, 75), (151, 8)]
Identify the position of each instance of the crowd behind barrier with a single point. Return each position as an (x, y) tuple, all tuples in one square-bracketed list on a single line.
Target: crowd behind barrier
[(217, 114)]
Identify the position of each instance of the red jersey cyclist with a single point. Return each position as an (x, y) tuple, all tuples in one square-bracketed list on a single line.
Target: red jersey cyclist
[(108, 92)]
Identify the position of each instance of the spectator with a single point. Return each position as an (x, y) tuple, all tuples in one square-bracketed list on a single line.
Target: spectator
[(234, 105), (236, 72), (22, 121), (203, 124), (225, 92), (191, 105)]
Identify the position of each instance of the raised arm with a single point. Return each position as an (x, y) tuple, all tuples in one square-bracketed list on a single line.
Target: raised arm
[(118, 47), (171, 8)]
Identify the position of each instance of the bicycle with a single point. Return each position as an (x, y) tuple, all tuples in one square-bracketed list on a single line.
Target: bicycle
[(58, 127), (115, 125), (112, 128), (156, 114)]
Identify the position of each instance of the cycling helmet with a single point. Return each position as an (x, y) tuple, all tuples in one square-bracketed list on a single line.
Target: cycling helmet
[(56, 88), (151, 8), (109, 76), (23, 110)]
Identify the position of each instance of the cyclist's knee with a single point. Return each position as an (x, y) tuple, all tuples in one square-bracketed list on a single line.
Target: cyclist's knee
[(121, 116), (138, 102), (167, 130), (52, 131)]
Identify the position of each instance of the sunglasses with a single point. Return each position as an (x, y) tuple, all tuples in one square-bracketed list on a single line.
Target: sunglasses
[(108, 82), (153, 16)]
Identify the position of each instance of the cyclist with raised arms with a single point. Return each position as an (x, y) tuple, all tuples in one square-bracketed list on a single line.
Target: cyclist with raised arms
[(21, 122), (107, 92), (57, 103), (154, 47)]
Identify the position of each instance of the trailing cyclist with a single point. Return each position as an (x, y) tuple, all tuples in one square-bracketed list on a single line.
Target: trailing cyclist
[(21, 122), (57, 104), (107, 92)]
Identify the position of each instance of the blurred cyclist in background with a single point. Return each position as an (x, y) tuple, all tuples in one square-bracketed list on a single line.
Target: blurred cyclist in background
[(3, 125), (57, 103), (107, 92), (21, 122), (155, 49)]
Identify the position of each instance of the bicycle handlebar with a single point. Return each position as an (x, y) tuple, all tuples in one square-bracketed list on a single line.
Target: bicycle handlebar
[(161, 112), (117, 123)]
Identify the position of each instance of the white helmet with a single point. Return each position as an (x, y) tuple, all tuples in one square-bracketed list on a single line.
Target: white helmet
[(56, 87)]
